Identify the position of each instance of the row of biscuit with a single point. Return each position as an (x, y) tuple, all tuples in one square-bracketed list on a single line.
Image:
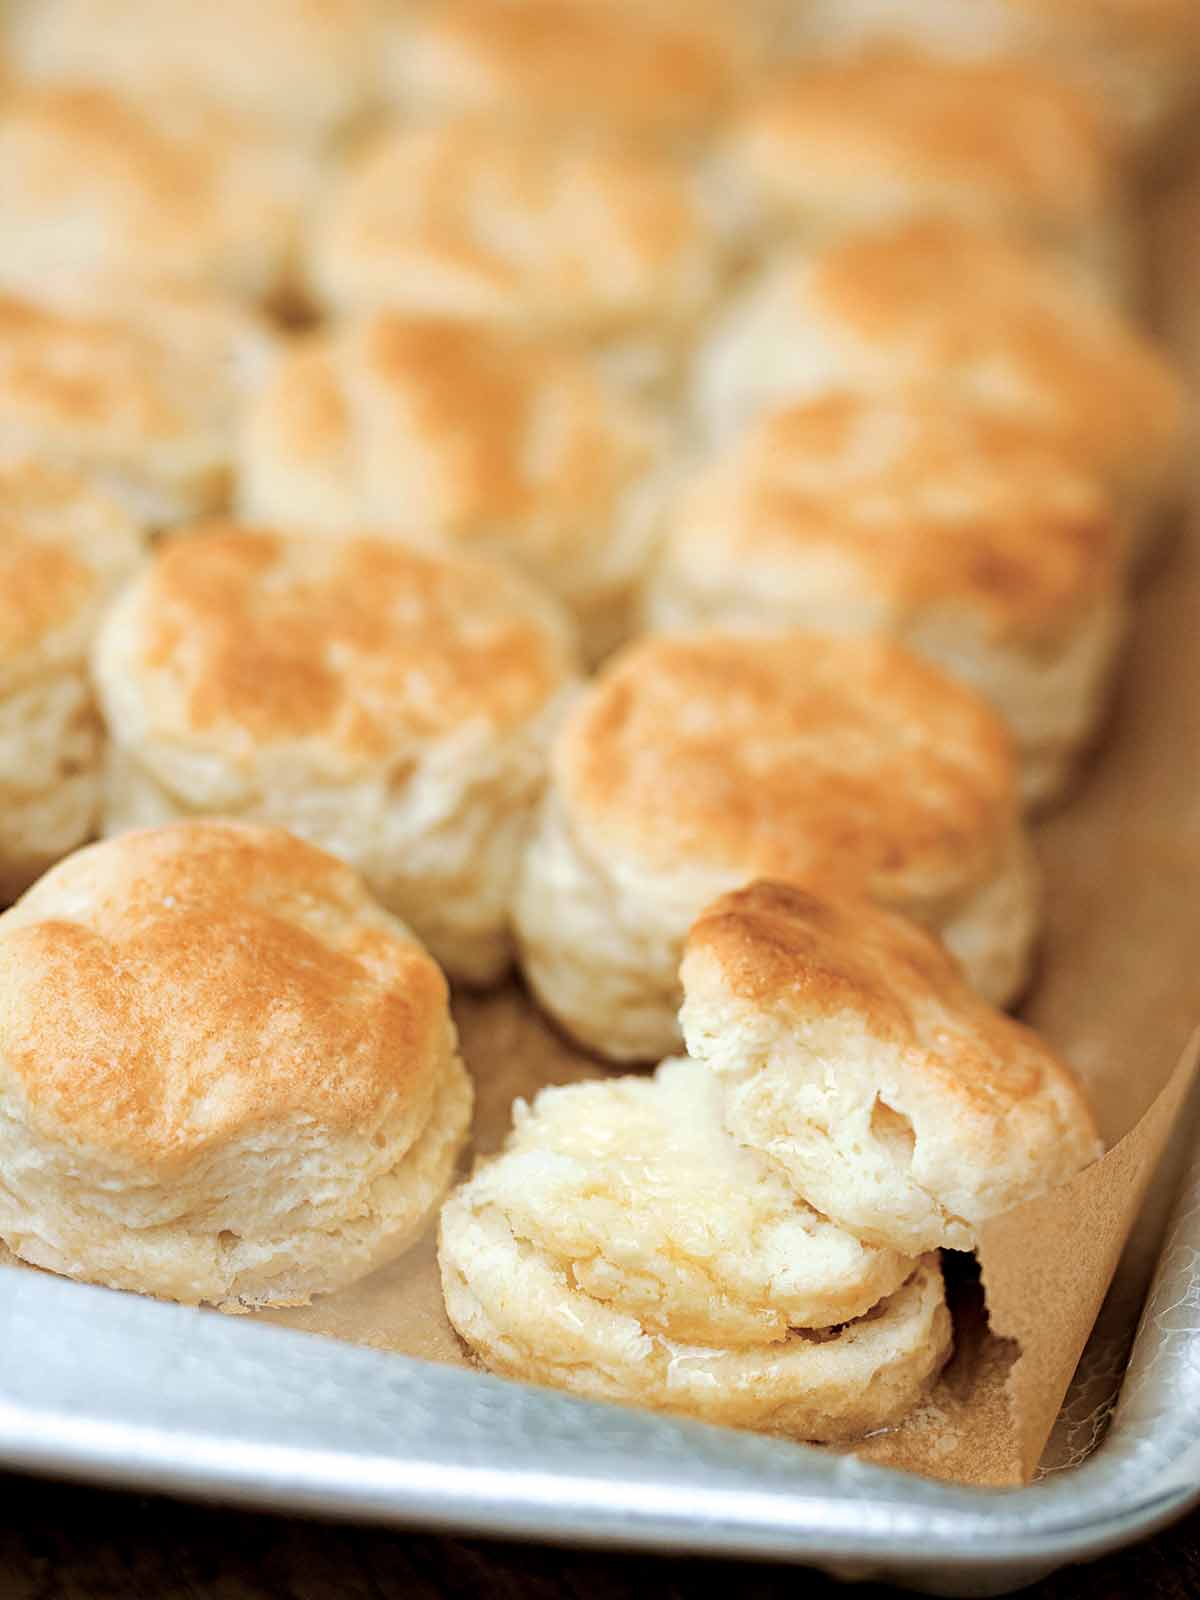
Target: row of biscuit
[(212, 660), (716, 387), (1005, 450), (659, 68), (402, 709), (461, 217), (143, 144), (974, 536)]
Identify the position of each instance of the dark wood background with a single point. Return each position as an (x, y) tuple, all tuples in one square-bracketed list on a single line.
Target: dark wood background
[(65, 1543)]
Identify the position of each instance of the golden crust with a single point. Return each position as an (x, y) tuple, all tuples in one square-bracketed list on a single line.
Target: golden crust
[(167, 991), (939, 302), (243, 637), (791, 755), (464, 220), (1000, 138), (140, 394), (913, 504), (507, 441), (645, 71), (1011, 1117), (778, 945), (175, 191)]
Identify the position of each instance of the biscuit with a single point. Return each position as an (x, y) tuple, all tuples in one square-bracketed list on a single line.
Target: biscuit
[(1137, 57), (991, 323), (969, 537), (850, 1052), (466, 221), (520, 1312), (633, 1187), (460, 438), (227, 1074), (392, 707), (650, 72), (64, 547), (697, 762), (139, 395), (169, 191), (834, 146), (306, 67)]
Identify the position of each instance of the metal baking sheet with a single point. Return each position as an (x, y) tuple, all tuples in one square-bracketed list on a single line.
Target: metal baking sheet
[(118, 1390), (114, 1389)]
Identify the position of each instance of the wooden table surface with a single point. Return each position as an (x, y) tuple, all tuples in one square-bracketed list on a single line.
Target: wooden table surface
[(66, 1543)]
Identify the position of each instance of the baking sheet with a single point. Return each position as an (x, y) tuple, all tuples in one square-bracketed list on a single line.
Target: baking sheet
[(1116, 993)]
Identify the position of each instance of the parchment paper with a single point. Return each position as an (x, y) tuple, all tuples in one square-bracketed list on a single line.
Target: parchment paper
[(1118, 993)]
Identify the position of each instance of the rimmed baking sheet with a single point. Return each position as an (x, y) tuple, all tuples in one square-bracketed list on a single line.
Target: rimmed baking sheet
[(125, 1391)]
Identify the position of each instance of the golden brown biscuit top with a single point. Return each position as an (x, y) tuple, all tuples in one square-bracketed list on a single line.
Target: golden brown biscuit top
[(909, 500), (296, 62), (778, 948), (166, 189), (63, 546), (650, 71), (462, 219), (170, 990), (140, 375), (940, 302), (243, 637), (798, 756), (996, 136), (499, 433)]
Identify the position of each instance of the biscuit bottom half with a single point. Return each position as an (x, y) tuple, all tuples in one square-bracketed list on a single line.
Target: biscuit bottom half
[(520, 1313), (625, 1247)]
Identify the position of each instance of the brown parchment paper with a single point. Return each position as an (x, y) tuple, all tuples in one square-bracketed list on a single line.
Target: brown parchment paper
[(1118, 993)]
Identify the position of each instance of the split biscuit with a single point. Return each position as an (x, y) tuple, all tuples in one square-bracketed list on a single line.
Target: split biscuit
[(634, 1187), (623, 1246)]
